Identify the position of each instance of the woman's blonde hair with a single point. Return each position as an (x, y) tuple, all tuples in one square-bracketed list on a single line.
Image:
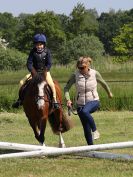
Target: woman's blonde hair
[(84, 61)]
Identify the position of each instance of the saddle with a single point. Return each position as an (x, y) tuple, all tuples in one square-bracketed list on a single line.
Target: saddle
[(49, 93), (22, 90)]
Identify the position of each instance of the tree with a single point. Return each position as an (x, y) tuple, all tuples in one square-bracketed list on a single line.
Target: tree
[(65, 21), (47, 23), (83, 21), (8, 27), (109, 26), (123, 43)]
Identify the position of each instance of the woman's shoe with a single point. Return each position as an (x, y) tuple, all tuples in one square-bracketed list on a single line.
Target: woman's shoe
[(96, 135)]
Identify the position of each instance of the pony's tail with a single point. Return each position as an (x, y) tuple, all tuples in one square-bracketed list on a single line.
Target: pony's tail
[(67, 123)]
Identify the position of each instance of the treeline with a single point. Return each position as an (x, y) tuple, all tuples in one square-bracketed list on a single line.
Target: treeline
[(83, 32)]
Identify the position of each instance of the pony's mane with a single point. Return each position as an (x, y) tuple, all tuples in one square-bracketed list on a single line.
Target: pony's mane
[(38, 78)]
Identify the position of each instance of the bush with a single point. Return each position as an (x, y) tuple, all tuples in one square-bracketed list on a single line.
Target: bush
[(12, 59), (122, 59), (82, 45), (5, 103)]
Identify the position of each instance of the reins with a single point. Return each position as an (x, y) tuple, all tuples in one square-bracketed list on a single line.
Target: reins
[(71, 110)]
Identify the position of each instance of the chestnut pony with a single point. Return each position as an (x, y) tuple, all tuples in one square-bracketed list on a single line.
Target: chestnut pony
[(37, 104)]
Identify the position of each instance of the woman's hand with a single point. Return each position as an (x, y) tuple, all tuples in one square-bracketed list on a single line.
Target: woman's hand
[(69, 103)]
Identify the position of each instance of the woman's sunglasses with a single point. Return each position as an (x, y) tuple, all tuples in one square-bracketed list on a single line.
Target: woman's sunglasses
[(81, 68)]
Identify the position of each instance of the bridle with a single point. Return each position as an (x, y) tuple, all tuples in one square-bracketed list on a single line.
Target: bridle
[(38, 97)]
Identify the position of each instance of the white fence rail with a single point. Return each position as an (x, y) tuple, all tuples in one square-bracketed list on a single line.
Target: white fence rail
[(36, 151)]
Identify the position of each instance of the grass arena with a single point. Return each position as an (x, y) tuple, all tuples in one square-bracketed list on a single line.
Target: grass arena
[(15, 129)]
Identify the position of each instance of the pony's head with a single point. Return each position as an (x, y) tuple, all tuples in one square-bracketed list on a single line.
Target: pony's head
[(39, 82)]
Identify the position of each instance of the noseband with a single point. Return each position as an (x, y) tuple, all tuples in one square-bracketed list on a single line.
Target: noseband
[(41, 98)]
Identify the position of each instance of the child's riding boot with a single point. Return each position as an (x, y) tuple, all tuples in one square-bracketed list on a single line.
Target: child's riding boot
[(56, 105), (17, 103)]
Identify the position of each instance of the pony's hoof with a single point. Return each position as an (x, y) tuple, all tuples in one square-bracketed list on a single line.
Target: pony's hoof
[(42, 144), (62, 145)]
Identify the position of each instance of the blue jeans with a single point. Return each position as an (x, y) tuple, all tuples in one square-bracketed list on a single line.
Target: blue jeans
[(87, 120)]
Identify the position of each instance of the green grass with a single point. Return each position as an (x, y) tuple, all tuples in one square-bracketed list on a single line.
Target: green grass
[(122, 91), (113, 126), (11, 77)]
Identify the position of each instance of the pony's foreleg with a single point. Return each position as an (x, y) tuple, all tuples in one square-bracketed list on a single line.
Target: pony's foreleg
[(42, 131), (61, 141), (35, 129)]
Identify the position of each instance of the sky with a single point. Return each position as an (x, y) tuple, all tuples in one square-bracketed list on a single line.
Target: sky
[(61, 6)]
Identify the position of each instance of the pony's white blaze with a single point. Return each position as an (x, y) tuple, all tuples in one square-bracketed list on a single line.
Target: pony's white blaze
[(41, 101)]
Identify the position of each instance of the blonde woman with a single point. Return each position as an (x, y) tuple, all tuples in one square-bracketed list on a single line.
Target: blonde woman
[(85, 80)]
